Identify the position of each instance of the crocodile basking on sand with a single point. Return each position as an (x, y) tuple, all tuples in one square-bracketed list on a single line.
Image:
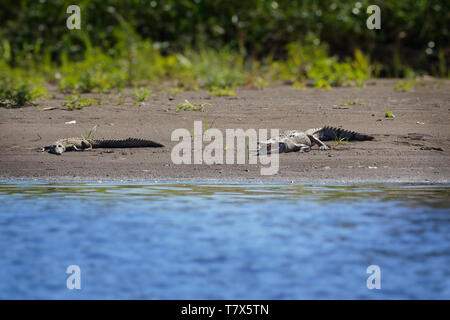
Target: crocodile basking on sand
[(80, 144), (295, 140)]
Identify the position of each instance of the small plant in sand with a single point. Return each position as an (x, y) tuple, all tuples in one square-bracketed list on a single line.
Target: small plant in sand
[(404, 86), (219, 92), (298, 85), (19, 94), (340, 140), (352, 102), (141, 95), (78, 102), (389, 114), (89, 133), (322, 84), (186, 106)]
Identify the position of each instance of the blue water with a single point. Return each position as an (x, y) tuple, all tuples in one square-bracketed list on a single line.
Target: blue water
[(223, 241)]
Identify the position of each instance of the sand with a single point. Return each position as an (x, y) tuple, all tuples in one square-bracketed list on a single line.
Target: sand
[(412, 147)]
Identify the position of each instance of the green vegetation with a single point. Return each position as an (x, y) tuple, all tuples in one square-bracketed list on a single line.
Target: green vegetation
[(404, 86), (215, 45), (351, 102), (298, 85), (15, 94), (78, 102), (89, 134), (20, 93), (186, 106), (389, 114), (216, 71), (254, 28), (340, 140), (141, 95), (260, 83), (313, 62)]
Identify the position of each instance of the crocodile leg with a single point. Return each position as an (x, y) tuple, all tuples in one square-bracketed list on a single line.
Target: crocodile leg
[(305, 148), (78, 146), (83, 145), (293, 146), (86, 145), (297, 147), (284, 147), (322, 146)]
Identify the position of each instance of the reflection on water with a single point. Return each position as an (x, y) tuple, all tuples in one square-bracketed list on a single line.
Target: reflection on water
[(431, 195), (203, 240)]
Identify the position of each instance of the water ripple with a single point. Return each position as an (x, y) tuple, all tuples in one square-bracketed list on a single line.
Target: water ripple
[(201, 240)]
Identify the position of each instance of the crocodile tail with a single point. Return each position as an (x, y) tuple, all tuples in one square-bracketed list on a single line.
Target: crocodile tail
[(125, 143), (332, 133)]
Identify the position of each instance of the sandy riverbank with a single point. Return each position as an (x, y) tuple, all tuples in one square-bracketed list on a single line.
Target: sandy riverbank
[(413, 147)]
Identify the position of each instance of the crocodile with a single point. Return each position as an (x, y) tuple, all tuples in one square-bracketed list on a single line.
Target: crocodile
[(302, 141), (80, 144)]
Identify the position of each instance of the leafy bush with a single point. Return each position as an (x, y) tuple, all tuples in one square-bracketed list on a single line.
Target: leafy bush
[(389, 114), (214, 68), (313, 62), (416, 33), (19, 94), (97, 72)]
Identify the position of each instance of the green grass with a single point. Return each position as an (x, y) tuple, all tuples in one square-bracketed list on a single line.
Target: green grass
[(322, 84), (308, 62), (141, 95), (389, 114), (89, 134), (175, 91), (20, 94), (139, 63), (340, 140), (414, 35), (215, 68)]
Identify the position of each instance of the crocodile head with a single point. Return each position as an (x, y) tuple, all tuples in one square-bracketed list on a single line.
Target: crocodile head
[(57, 148)]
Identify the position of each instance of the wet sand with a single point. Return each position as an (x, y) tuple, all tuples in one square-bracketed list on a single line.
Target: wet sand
[(412, 147)]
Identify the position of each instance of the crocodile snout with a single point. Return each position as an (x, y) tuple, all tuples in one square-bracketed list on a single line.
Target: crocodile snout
[(57, 149)]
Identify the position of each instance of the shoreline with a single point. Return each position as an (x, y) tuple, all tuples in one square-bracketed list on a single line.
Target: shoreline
[(220, 181)]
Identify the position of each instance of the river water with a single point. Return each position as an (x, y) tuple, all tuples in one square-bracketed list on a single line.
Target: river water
[(205, 240)]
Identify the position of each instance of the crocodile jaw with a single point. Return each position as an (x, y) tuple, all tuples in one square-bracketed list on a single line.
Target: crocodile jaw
[(57, 149)]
